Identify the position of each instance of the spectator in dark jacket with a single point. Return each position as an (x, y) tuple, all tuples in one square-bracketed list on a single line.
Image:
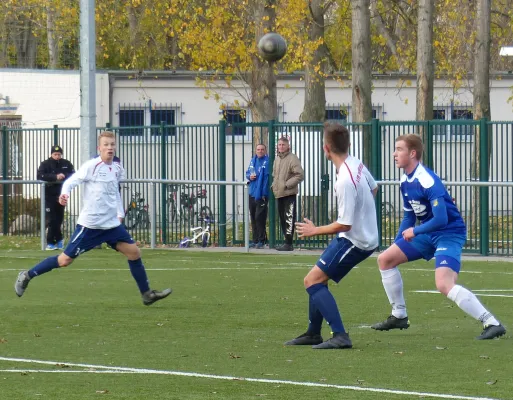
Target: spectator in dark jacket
[(258, 180), (54, 170)]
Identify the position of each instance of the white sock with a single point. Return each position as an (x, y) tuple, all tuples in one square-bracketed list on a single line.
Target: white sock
[(393, 284), (468, 302)]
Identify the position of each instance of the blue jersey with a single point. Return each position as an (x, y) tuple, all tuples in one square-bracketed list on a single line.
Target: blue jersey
[(419, 189)]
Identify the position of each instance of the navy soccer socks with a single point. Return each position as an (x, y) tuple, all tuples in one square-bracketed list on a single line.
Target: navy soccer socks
[(139, 274), (44, 266), (327, 306)]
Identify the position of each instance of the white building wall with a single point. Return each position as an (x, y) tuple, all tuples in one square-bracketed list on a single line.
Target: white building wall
[(48, 98)]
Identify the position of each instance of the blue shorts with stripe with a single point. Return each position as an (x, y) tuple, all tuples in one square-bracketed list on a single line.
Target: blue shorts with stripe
[(446, 248), (340, 257), (85, 239)]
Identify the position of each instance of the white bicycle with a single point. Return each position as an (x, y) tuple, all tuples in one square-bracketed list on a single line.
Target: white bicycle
[(197, 232)]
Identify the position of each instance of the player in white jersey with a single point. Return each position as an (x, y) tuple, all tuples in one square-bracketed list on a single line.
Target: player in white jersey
[(99, 221), (357, 237)]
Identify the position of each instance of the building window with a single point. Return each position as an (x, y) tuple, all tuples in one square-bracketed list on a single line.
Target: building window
[(335, 114), (131, 122), (342, 112), (166, 116), (233, 118), (135, 119), (453, 131)]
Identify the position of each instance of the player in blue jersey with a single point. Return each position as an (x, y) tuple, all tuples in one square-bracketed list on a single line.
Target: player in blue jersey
[(441, 233), (99, 221), (356, 231)]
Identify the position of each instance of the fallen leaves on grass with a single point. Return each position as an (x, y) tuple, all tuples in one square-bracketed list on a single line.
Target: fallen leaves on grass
[(232, 355)]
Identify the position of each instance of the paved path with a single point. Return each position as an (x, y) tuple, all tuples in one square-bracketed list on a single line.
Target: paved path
[(303, 252)]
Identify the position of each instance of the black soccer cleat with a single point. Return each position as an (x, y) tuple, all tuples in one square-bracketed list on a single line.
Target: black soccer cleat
[(392, 323), (492, 332), (305, 340), (338, 341), (151, 296)]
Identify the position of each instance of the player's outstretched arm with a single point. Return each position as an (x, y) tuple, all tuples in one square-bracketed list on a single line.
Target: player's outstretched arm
[(307, 228)]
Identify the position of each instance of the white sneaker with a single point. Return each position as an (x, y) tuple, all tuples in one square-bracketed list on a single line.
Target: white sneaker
[(21, 283)]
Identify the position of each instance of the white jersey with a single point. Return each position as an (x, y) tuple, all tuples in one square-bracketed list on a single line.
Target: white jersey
[(356, 205), (102, 207)]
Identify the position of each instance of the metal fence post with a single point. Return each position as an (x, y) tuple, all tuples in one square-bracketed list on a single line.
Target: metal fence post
[(272, 202), (56, 135), (375, 169), (5, 189), (245, 191), (429, 146), (163, 175), (43, 216), (484, 190), (153, 215), (222, 177)]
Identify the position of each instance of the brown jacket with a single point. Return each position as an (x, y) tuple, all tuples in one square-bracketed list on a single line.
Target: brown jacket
[(287, 175)]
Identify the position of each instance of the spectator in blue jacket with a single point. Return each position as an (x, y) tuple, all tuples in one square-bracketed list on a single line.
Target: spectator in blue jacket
[(258, 180)]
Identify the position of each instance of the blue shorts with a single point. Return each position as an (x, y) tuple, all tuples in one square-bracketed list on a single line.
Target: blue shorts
[(340, 257), (85, 239), (445, 248)]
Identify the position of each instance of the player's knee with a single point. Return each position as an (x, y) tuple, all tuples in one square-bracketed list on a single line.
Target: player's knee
[(384, 261), (132, 252), (64, 260), (444, 287)]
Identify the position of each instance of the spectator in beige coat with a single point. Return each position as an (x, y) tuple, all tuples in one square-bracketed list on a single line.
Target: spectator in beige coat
[(287, 175)]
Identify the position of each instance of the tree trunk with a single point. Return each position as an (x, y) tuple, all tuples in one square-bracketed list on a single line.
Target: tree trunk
[(361, 71), (53, 43), (4, 43), (386, 33), (25, 43), (262, 78), (481, 94), (314, 109), (425, 68)]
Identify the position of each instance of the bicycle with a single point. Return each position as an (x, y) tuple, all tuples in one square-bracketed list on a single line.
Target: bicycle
[(185, 205), (198, 231), (137, 212)]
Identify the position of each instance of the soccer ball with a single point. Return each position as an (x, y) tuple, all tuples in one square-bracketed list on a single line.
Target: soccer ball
[(272, 47)]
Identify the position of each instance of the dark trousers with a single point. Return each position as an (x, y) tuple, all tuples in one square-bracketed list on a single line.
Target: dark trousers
[(287, 213), (258, 215), (54, 218)]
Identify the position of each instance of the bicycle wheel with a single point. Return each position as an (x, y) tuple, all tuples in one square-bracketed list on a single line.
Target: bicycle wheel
[(131, 219), (171, 211), (185, 216), (144, 219), (204, 239), (204, 214)]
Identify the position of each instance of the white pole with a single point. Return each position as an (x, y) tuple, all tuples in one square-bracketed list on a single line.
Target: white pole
[(87, 80)]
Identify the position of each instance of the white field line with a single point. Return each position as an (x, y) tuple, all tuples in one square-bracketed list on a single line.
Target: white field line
[(477, 294), (110, 369)]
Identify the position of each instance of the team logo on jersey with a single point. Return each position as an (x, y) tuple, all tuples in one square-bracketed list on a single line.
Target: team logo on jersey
[(418, 208), (435, 203)]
